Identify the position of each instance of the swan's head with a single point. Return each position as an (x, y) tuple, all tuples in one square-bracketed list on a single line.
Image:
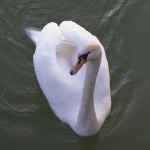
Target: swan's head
[(89, 52)]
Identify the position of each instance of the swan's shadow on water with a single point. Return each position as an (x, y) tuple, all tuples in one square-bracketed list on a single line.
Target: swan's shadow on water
[(86, 143)]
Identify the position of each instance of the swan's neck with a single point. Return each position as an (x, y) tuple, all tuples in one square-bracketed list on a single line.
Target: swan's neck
[(87, 121)]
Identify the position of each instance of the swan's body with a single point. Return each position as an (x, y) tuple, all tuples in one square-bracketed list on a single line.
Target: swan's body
[(83, 100)]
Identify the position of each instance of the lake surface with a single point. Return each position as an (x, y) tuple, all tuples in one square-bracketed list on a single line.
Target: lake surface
[(123, 27)]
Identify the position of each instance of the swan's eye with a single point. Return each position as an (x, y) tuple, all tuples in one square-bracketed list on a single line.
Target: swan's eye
[(84, 56)]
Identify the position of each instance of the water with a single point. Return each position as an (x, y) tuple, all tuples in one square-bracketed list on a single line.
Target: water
[(122, 26)]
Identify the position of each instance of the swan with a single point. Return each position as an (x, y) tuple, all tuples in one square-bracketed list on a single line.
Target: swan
[(78, 93)]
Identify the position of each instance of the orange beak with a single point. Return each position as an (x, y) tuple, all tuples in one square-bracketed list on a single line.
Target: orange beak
[(80, 62)]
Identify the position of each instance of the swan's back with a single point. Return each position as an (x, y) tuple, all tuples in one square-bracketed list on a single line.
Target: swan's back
[(49, 37), (52, 66)]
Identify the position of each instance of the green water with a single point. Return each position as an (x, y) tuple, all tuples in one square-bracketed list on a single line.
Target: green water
[(26, 120)]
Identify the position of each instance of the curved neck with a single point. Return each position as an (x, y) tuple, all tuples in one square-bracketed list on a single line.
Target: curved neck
[(87, 117)]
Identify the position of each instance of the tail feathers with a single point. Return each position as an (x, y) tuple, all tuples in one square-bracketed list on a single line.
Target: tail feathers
[(33, 34)]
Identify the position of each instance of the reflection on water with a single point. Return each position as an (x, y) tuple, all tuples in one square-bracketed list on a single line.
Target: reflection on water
[(122, 27)]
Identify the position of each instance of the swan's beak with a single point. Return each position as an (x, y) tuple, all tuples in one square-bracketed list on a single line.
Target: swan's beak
[(80, 62)]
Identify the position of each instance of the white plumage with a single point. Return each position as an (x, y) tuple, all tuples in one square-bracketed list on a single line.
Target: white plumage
[(57, 49)]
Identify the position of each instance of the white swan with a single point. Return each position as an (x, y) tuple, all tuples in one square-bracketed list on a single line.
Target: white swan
[(83, 100)]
